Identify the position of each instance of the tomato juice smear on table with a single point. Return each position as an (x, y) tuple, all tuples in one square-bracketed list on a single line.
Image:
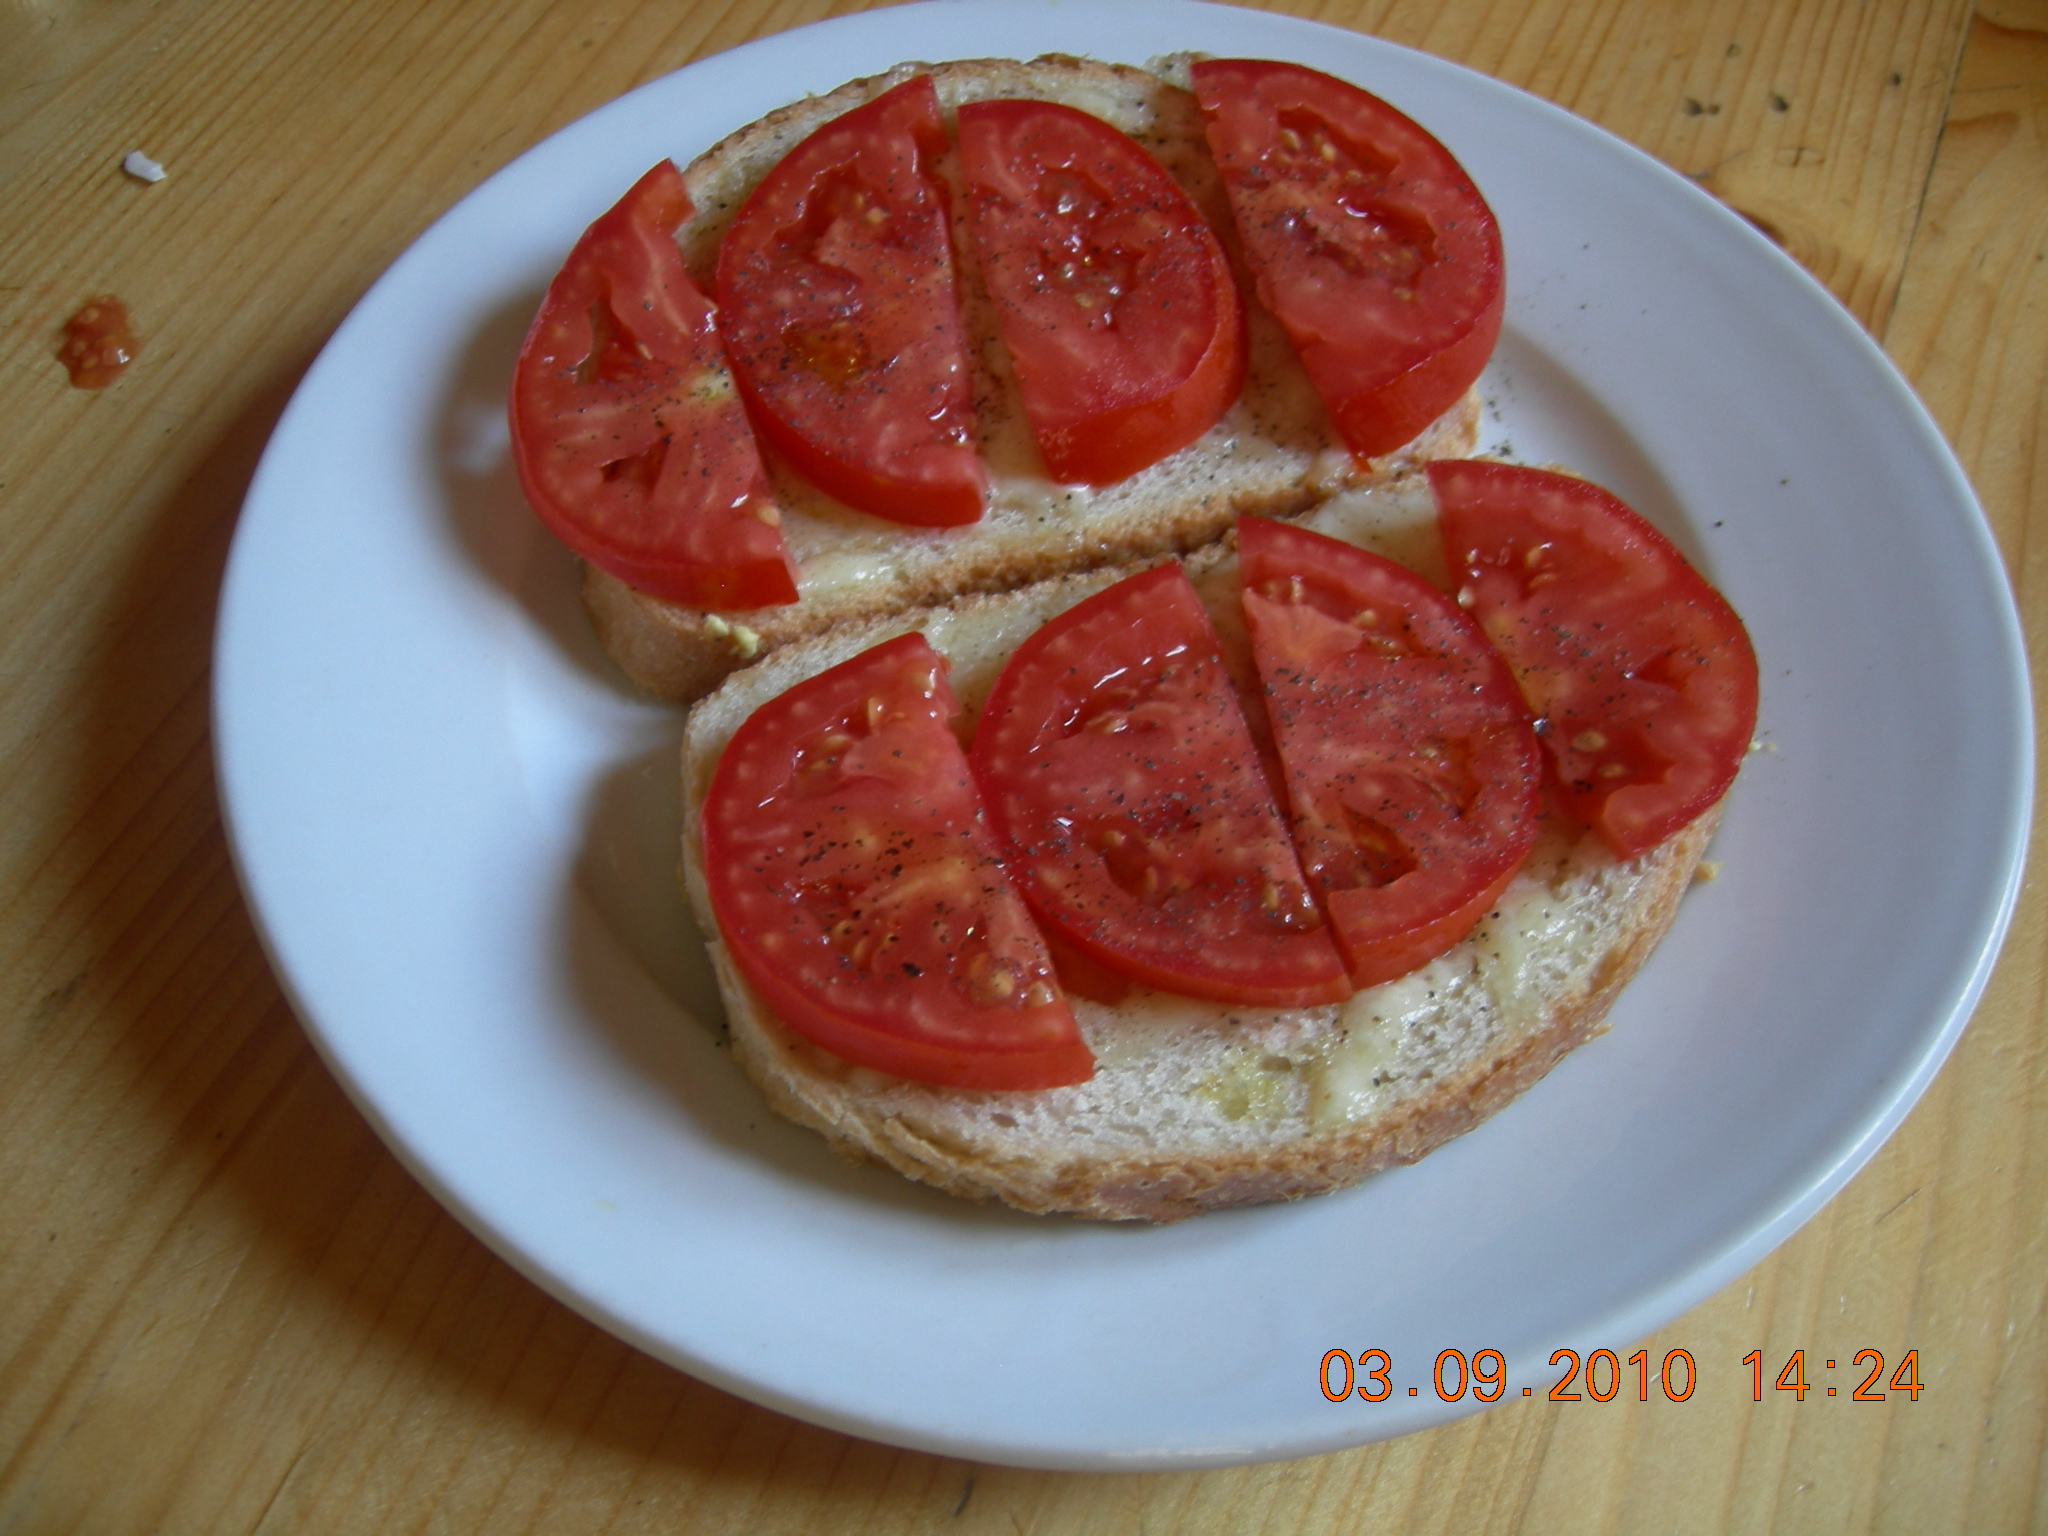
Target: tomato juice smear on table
[(99, 342)]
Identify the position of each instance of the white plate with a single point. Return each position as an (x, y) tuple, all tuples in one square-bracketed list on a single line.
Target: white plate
[(456, 831)]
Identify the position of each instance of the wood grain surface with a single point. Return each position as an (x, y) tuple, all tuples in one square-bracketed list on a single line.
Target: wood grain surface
[(225, 1308)]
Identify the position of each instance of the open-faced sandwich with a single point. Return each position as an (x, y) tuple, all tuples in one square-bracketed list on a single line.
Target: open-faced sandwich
[(957, 328)]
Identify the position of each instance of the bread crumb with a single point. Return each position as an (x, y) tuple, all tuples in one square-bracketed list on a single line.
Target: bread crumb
[(1708, 871)]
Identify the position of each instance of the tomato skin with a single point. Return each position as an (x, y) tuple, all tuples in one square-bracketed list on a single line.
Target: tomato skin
[(1411, 766), (626, 434), (1114, 298), (1369, 242), (843, 320), (1082, 975), (860, 892), (1119, 772), (1641, 676)]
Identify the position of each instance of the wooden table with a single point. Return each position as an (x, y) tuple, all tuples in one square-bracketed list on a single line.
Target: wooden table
[(223, 1305)]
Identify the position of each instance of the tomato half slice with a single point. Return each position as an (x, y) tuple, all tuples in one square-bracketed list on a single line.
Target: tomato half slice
[(843, 318), (1412, 770), (1369, 243), (626, 433), (1113, 296), (860, 892), (1641, 676), (1117, 768)]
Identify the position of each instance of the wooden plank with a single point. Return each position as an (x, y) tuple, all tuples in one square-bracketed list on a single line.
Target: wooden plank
[(217, 1284), (1971, 331)]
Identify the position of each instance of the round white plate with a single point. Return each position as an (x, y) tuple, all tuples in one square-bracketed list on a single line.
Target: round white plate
[(456, 830)]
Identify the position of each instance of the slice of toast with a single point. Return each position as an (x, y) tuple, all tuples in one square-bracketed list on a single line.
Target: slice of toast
[(1197, 1105), (1274, 452)]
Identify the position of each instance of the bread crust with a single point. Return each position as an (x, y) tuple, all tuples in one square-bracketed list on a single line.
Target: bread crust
[(1198, 1106), (1273, 453)]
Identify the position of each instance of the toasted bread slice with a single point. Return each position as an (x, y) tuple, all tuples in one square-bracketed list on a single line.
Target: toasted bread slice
[(1274, 452), (1197, 1105)]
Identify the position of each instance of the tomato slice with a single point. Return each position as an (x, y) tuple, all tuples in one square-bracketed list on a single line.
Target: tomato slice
[(1641, 676), (1114, 298), (1411, 766), (1369, 243), (860, 892), (843, 317), (1117, 768), (626, 434)]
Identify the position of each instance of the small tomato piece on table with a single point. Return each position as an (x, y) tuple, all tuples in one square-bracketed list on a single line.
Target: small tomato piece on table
[(860, 892), (1118, 770), (1411, 766), (842, 314), (1369, 243), (1642, 678), (1114, 298), (627, 436)]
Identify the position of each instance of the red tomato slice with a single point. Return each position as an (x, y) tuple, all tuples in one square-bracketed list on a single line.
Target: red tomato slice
[(1411, 766), (860, 892), (1369, 242), (1641, 676), (1118, 769), (1114, 298), (626, 433), (843, 319)]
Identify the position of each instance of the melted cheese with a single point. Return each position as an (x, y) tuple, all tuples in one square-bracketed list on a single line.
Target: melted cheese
[(1357, 1073), (851, 565), (1548, 937), (1396, 520)]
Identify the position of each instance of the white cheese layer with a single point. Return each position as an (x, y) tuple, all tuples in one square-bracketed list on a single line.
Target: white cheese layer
[(1376, 1029)]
